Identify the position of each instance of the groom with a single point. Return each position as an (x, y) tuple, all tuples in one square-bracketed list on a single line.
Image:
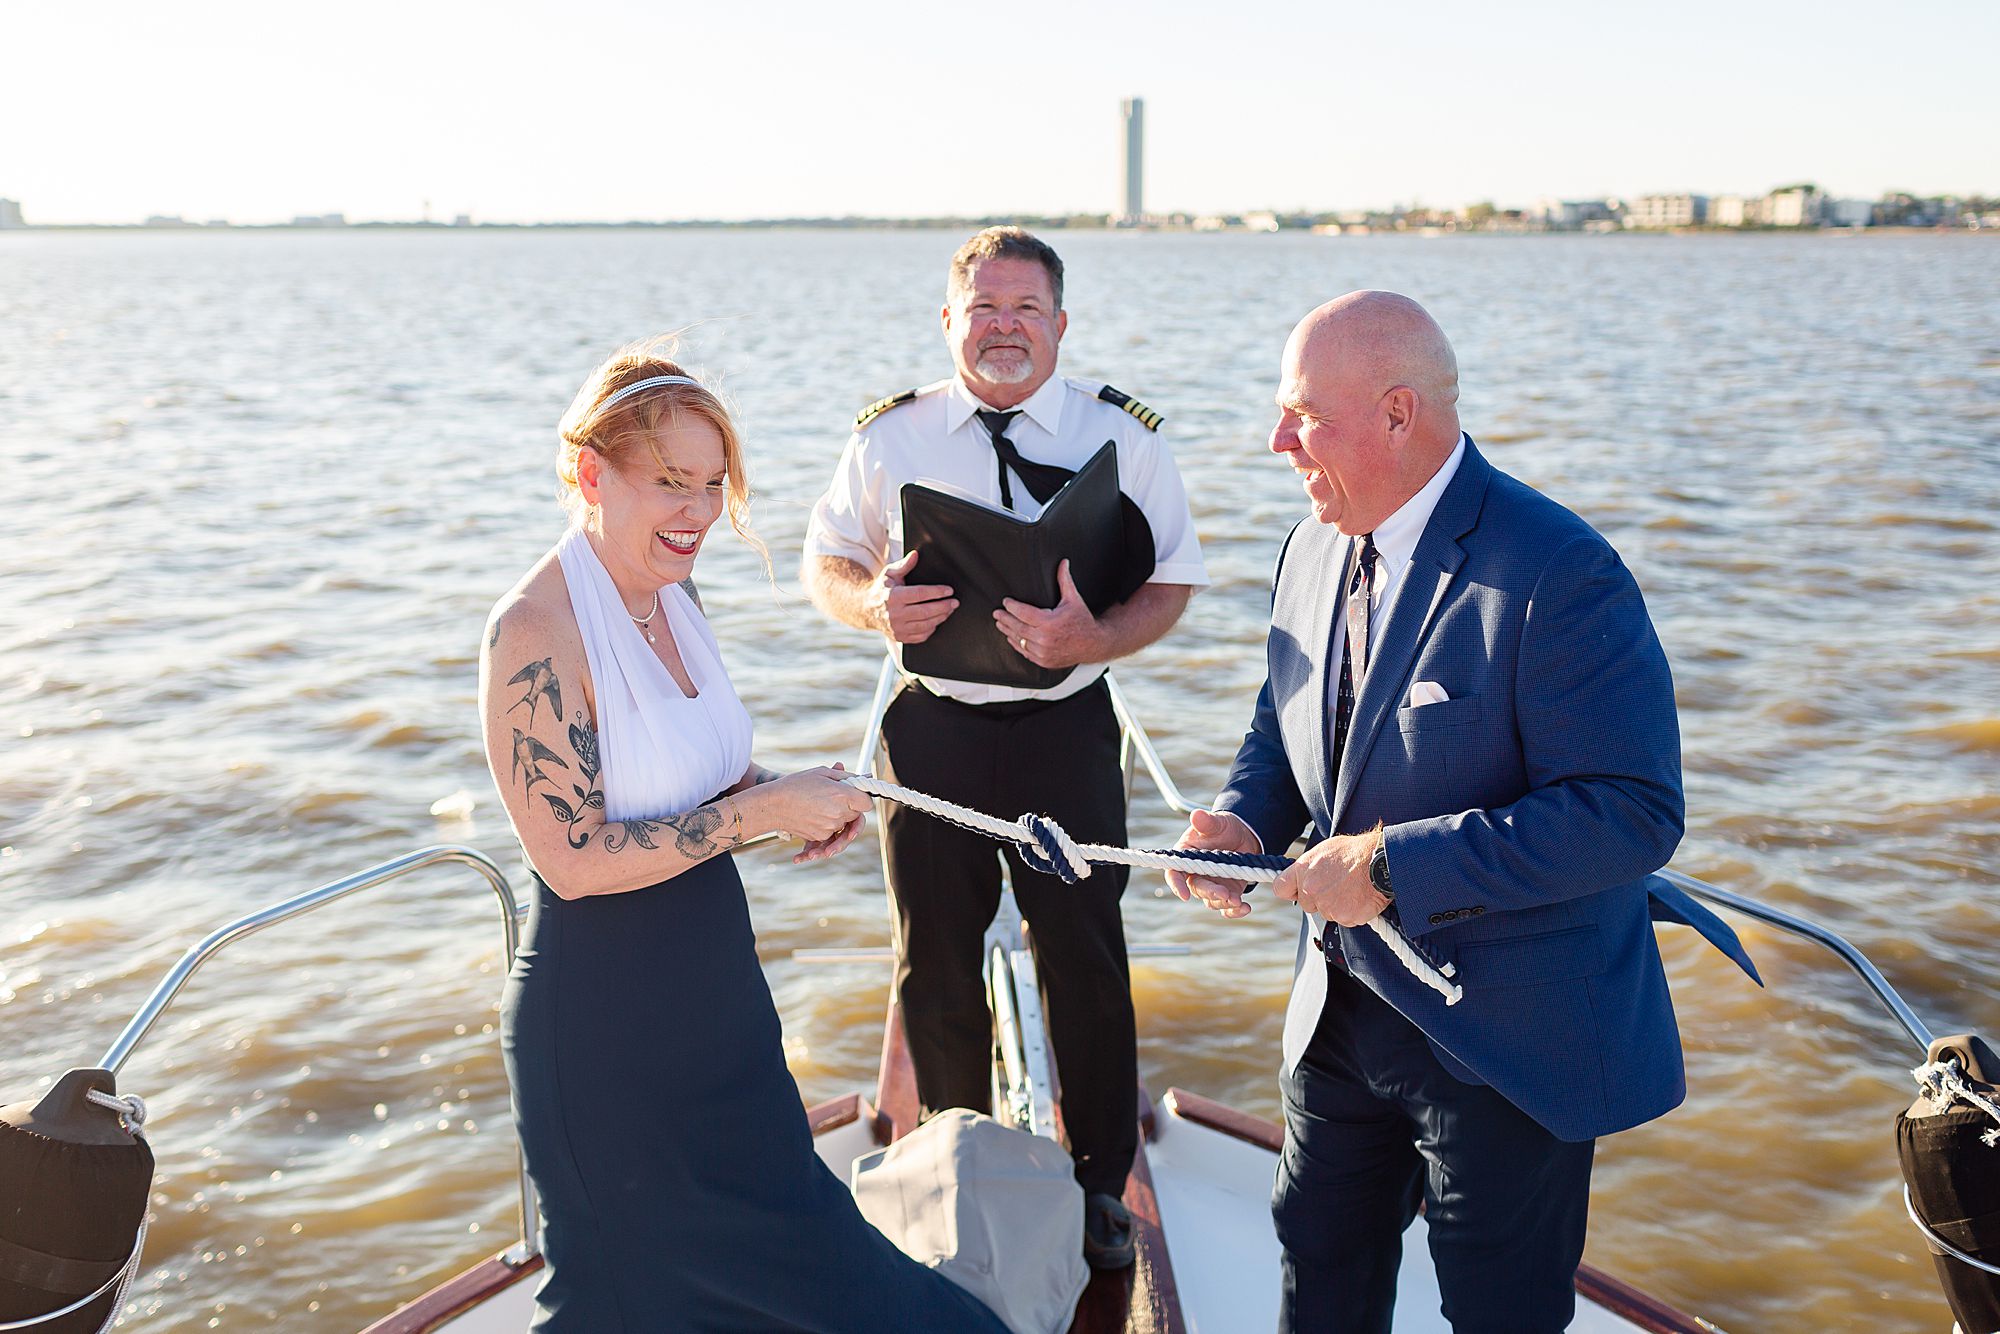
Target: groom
[(1467, 705)]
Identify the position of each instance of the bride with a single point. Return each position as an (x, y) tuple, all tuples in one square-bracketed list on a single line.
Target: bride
[(663, 1133)]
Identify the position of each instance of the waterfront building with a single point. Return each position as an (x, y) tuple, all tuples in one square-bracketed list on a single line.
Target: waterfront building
[(1849, 212), (1794, 206), (1655, 211), (1132, 116), (10, 213), (1728, 211), (1558, 215), (1566, 215), (1906, 210)]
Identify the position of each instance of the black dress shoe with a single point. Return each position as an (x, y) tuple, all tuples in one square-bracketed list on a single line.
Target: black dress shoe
[(1107, 1233)]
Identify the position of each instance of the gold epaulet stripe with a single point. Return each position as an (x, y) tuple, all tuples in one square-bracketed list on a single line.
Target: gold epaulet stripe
[(1119, 398), (880, 406)]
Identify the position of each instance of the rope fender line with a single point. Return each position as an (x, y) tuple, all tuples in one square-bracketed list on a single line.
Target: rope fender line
[(1048, 848), (1946, 1084)]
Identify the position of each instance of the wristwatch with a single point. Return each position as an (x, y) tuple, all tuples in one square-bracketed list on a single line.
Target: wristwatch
[(1378, 871)]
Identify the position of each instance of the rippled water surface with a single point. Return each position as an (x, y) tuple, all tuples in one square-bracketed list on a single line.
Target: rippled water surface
[(266, 486)]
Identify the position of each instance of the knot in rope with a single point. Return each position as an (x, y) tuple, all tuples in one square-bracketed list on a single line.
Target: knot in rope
[(1946, 1084), (131, 1108), (1050, 850), (1046, 848)]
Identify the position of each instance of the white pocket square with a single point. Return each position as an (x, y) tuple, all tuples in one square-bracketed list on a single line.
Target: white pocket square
[(1426, 692)]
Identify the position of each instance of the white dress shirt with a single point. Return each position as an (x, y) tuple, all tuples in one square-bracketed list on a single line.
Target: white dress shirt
[(935, 439), (1396, 539)]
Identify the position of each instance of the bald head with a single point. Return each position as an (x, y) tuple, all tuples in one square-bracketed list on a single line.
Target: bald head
[(1379, 340), (1369, 404)]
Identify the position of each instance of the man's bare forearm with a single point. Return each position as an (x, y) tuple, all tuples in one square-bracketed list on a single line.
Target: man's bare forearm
[(1141, 619), (839, 587)]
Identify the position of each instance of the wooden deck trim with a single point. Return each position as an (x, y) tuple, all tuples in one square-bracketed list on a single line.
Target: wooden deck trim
[(1224, 1119), (1143, 1299), (833, 1113), (1593, 1285), (454, 1297), (843, 1111), (1153, 1271), (1623, 1300), (895, 1081)]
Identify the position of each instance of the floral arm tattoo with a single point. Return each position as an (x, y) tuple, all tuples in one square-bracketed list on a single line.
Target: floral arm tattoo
[(701, 832)]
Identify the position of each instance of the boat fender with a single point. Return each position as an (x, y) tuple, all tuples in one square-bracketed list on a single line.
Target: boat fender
[(74, 1182), (1951, 1166)]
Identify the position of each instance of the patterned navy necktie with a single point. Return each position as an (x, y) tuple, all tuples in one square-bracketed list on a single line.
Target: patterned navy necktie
[(1354, 662)]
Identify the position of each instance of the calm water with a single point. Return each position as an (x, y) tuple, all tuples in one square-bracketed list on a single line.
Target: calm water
[(267, 485)]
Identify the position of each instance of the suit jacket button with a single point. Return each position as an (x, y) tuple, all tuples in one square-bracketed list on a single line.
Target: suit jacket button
[(1436, 918), (1478, 910)]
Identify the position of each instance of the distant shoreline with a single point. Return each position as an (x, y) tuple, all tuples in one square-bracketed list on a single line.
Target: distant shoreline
[(968, 224)]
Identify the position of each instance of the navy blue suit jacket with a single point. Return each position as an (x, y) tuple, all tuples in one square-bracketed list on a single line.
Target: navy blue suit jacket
[(1524, 815)]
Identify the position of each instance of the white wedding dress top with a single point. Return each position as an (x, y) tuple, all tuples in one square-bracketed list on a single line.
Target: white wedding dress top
[(661, 752)]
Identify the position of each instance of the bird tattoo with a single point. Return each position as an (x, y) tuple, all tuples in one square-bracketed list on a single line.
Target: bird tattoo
[(541, 679), (529, 755)]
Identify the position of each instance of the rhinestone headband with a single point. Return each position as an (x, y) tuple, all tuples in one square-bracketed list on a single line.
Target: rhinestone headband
[(647, 383)]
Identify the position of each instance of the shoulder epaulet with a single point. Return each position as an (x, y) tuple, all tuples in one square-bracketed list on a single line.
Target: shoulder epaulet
[(882, 405), (1118, 398)]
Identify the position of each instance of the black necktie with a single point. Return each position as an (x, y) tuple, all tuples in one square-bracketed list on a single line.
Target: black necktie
[(1354, 662), (1043, 480)]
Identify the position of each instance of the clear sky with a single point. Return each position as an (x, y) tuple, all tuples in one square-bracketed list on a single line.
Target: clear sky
[(525, 110)]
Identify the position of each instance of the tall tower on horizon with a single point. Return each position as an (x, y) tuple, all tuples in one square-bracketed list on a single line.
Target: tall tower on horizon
[(1133, 113)]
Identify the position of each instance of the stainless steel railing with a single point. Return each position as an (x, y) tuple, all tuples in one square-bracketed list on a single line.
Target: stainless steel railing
[(1133, 743), (170, 986), (871, 735), (1801, 927)]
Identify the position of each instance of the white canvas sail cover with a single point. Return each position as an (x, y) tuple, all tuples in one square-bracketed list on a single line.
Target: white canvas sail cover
[(995, 1210)]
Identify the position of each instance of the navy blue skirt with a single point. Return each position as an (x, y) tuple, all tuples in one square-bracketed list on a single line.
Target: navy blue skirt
[(666, 1138)]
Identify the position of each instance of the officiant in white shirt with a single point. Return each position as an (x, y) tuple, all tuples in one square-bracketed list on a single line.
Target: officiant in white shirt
[(1007, 430)]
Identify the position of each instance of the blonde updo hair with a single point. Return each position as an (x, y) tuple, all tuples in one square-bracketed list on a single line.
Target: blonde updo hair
[(633, 427)]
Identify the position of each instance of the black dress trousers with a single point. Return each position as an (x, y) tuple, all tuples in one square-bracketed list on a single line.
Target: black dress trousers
[(1056, 758)]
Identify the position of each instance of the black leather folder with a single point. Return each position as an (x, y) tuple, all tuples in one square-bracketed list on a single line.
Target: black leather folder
[(987, 554)]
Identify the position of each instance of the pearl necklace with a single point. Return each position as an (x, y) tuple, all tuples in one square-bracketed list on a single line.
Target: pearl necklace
[(646, 623)]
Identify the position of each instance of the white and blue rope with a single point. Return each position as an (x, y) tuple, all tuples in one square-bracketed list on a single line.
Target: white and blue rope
[(1046, 847)]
